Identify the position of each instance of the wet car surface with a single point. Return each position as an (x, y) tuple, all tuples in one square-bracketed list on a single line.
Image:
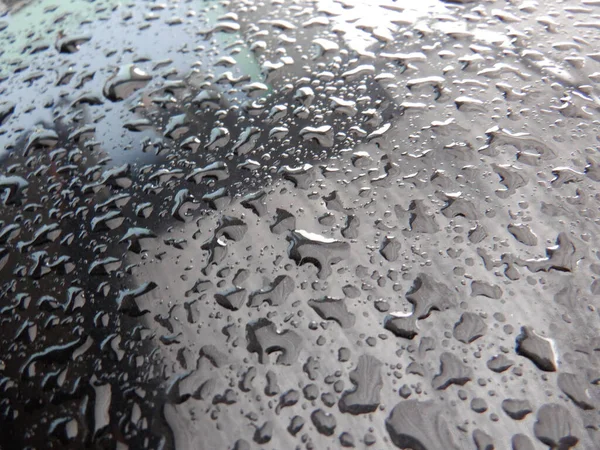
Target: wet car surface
[(299, 224)]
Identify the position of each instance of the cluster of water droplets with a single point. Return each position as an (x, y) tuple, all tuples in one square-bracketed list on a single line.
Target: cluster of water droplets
[(300, 225)]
